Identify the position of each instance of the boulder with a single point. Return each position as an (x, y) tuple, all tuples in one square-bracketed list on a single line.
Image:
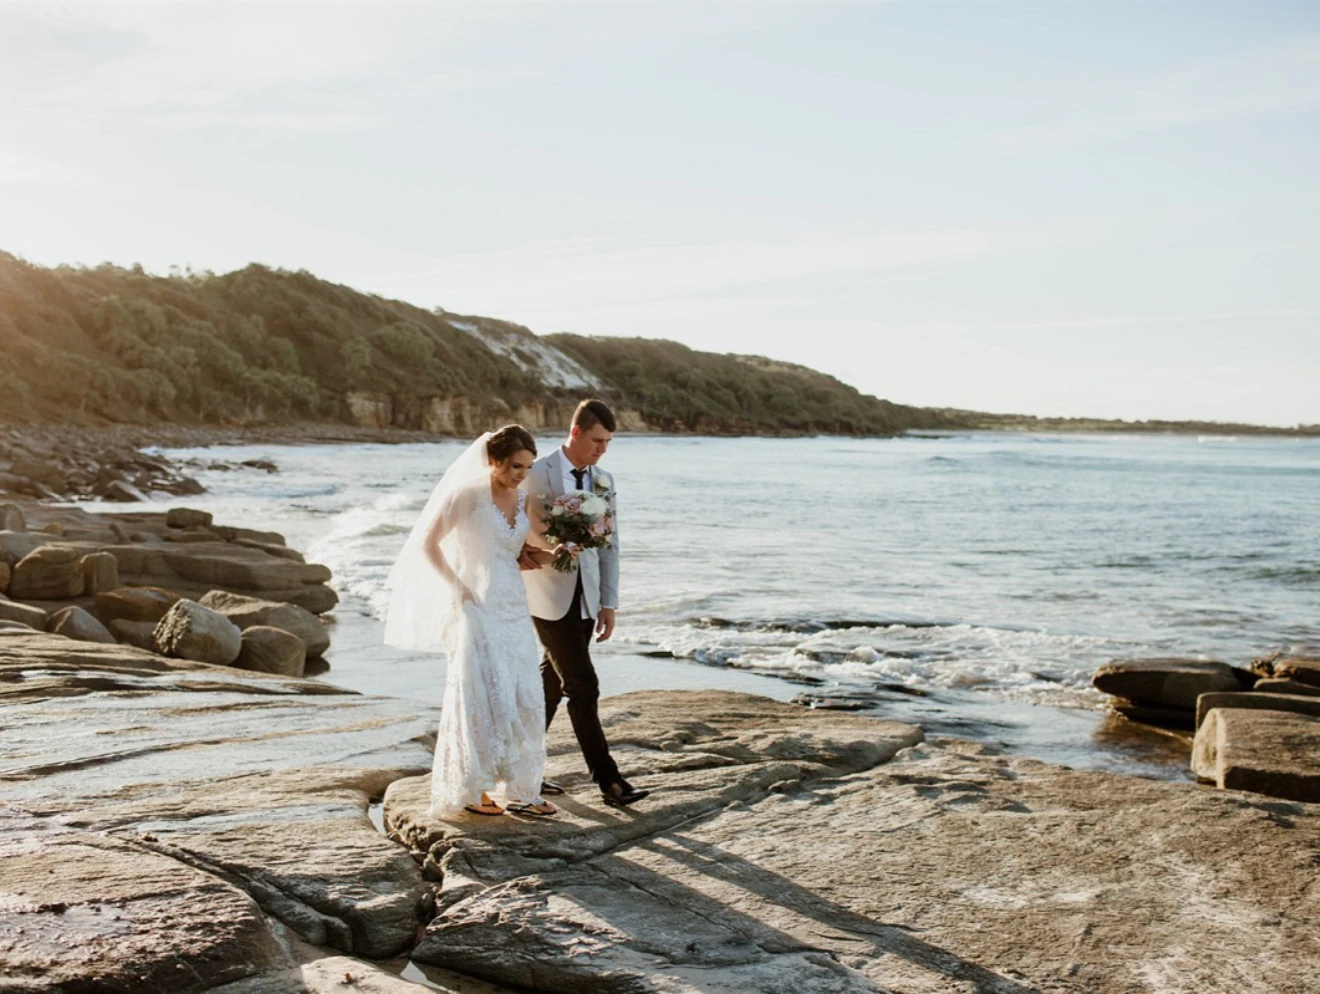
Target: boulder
[(190, 631), (250, 535), (126, 493), (5, 573), (134, 604), (100, 572), (272, 650), (1299, 663), (107, 475), (248, 611), (75, 623), (193, 534), (46, 472), (1296, 703), (15, 545), (196, 569), (1270, 685), (141, 634), (11, 518), (50, 572), (11, 611), (1167, 683), (185, 486), (187, 517), (1302, 669), (1265, 752), (283, 551)]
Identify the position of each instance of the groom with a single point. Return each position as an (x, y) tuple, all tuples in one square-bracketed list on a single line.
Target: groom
[(568, 608)]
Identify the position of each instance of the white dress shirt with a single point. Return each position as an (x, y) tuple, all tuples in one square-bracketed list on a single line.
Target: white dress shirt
[(570, 486)]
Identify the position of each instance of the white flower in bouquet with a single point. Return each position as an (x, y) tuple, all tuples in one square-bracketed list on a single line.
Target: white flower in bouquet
[(594, 505)]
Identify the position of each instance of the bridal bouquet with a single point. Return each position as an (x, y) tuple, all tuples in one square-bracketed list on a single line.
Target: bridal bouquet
[(578, 518)]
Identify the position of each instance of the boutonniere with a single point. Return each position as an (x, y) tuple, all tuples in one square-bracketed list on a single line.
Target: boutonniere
[(604, 483)]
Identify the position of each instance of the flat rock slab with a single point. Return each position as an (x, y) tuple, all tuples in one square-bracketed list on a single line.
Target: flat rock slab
[(87, 911), (942, 870), (1296, 703), (1263, 751), (1168, 683), (698, 752), (1272, 685), (256, 784)]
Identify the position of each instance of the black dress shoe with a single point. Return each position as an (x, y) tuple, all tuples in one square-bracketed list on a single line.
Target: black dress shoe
[(621, 793), (550, 787)]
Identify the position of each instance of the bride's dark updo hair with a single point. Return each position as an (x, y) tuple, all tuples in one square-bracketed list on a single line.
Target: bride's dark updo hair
[(507, 441)]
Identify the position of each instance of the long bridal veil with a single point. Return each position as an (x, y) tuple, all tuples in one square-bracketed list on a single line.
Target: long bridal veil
[(425, 610)]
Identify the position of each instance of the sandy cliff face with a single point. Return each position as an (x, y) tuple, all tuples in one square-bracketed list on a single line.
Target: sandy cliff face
[(463, 416)]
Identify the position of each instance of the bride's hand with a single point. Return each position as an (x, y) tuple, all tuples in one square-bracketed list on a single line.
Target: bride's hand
[(466, 595), (567, 549)]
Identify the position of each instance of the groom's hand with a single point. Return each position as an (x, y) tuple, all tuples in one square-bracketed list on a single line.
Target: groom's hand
[(529, 558), (605, 624)]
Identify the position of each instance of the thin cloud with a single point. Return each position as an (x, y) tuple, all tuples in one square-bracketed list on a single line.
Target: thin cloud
[(549, 275), (1283, 78)]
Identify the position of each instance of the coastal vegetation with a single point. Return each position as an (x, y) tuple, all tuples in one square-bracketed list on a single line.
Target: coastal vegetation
[(106, 344)]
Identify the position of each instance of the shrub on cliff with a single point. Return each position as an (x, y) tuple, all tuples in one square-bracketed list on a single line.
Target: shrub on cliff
[(683, 388)]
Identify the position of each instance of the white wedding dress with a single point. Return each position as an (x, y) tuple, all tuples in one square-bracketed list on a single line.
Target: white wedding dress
[(492, 723)]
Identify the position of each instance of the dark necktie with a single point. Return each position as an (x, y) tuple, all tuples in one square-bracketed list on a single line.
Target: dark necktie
[(579, 478)]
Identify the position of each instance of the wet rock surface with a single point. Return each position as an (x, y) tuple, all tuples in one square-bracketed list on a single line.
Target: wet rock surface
[(784, 850), (218, 798), (780, 852)]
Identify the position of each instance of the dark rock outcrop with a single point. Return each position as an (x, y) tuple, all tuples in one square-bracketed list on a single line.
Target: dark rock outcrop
[(1167, 683)]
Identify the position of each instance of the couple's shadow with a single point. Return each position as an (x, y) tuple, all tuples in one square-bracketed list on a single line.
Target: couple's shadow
[(657, 866)]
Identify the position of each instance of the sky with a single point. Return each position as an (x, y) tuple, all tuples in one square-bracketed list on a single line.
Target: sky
[(1062, 209)]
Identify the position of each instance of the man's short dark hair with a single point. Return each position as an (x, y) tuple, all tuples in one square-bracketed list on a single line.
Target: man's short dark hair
[(590, 413)]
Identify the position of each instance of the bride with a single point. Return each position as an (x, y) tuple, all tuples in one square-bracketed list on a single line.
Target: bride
[(456, 587)]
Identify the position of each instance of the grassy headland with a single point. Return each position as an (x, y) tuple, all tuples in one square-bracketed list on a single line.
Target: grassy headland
[(108, 345)]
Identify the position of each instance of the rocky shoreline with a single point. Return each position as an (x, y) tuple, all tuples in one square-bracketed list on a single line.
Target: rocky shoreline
[(181, 811), (71, 463), (1254, 729), (173, 826)]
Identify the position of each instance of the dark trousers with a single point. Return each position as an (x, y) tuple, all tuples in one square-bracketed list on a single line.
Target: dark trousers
[(567, 671)]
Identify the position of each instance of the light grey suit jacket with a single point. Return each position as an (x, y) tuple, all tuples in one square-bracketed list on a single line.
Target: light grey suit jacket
[(550, 592)]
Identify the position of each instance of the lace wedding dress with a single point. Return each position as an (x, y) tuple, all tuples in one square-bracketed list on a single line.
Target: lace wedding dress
[(492, 725), (492, 722)]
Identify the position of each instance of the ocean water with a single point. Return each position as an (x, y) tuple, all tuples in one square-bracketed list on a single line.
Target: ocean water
[(972, 582)]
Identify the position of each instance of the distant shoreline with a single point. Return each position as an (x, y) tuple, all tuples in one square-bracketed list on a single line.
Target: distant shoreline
[(172, 435)]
